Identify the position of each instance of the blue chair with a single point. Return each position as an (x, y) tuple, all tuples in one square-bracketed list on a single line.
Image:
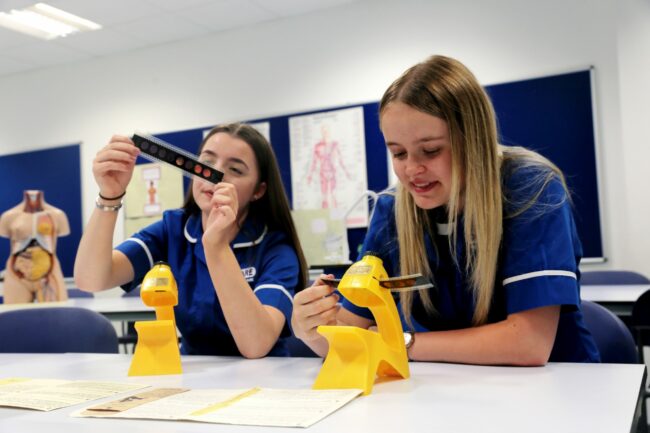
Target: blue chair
[(612, 278), (613, 338), (78, 293), (56, 330)]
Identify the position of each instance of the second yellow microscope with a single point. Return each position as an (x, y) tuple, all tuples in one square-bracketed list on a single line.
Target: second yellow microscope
[(157, 350)]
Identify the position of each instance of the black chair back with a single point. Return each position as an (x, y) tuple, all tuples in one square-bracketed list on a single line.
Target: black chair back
[(640, 322)]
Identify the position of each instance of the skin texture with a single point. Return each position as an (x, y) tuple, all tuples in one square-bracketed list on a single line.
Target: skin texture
[(421, 152)]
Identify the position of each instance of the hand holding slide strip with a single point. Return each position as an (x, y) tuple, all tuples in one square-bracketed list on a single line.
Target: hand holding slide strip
[(406, 283), (155, 149)]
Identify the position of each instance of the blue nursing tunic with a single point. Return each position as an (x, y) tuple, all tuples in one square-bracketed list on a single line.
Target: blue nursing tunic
[(537, 265), (267, 260)]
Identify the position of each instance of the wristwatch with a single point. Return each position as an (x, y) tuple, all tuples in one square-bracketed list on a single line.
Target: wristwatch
[(409, 339)]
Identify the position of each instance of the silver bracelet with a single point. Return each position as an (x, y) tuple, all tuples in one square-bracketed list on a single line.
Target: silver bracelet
[(107, 208)]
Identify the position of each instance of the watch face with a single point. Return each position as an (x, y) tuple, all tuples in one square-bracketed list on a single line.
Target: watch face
[(408, 338)]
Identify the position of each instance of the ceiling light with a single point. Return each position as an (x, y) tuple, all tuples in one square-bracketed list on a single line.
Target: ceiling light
[(45, 22)]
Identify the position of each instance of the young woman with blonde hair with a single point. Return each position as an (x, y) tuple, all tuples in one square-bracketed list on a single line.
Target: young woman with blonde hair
[(490, 225)]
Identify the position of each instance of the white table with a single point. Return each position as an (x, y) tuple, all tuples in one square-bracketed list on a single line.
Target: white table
[(618, 298), (116, 309), (437, 398)]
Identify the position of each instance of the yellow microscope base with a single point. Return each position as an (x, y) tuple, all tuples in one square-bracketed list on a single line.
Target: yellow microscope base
[(156, 352), (356, 356)]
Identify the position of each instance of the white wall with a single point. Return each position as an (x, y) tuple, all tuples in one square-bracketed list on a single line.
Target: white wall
[(634, 64), (349, 55)]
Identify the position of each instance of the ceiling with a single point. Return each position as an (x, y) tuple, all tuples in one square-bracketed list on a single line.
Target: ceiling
[(134, 24)]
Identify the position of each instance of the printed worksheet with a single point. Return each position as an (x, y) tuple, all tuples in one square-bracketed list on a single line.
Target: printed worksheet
[(163, 404), (20, 384), (255, 406), (46, 395), (280, 407)]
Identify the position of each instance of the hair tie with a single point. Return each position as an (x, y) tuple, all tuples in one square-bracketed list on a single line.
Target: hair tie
[(111, 198)]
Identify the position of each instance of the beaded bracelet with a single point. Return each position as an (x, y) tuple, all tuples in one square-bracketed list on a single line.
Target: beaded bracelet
[(111, 198), (107, 208)]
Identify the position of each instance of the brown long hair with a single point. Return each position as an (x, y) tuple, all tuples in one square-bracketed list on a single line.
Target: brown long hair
[(273, 207)]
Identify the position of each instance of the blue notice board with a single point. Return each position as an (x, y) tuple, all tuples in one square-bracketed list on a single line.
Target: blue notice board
[(552, 115)]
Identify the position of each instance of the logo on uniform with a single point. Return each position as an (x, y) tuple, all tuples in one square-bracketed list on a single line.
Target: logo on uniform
[(249, 273)]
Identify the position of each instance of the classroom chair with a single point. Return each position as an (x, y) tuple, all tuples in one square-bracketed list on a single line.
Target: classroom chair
[(78, 293), (56, 330), (640, 323), (613, 338), (612, 278)]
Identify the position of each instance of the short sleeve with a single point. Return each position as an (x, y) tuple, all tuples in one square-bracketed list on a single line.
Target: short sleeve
[(540, 253), (143, 249), (278, 280)]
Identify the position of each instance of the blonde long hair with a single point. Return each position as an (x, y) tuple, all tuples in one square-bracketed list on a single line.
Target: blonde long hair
[(445, 88)]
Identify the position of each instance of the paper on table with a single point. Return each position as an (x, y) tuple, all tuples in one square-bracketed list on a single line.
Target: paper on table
[(20, 384), (130, 402), (281, 407), (255, 406), (171, 404), (55, 395)]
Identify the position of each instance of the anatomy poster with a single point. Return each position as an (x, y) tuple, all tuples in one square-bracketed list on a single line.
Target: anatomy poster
[(328, 163), (154, 188)]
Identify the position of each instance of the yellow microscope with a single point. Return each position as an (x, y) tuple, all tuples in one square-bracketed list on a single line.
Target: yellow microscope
[(157, 351), (356, 356)]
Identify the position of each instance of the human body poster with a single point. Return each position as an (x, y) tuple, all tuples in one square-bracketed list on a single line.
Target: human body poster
[(328, 163)]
